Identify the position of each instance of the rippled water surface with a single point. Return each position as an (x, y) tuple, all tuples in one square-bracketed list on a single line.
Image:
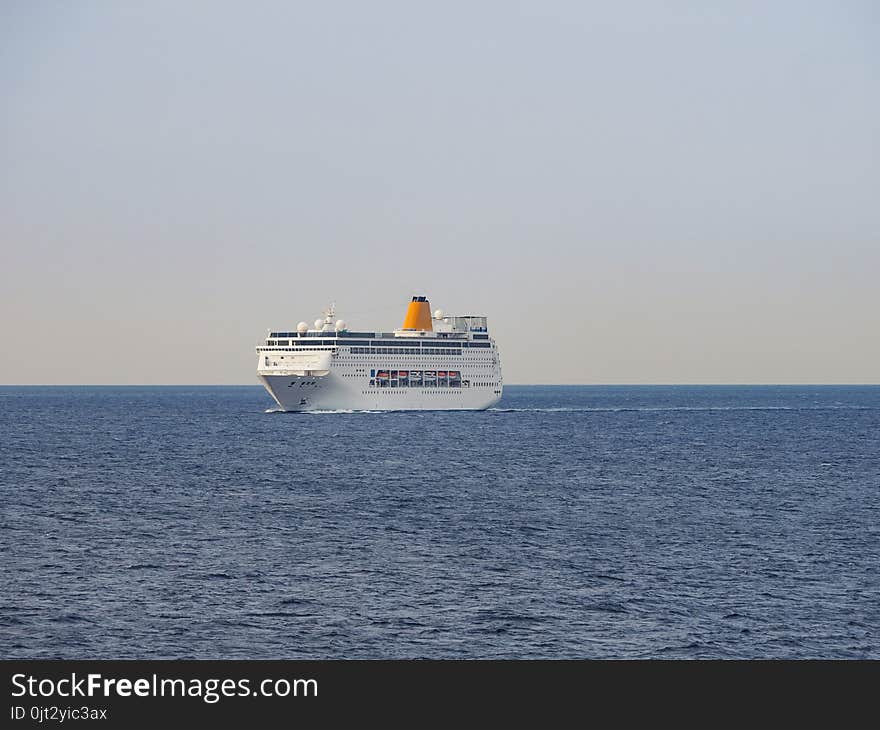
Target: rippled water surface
[(568, 522)]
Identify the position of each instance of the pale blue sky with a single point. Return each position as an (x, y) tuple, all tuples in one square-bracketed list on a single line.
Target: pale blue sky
[(633, 192)]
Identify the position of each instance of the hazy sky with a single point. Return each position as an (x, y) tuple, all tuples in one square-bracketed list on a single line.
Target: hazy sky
[(632, 192)]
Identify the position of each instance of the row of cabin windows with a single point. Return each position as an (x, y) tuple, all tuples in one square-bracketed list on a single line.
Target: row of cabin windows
[(401, 351), (301, 344), (411, 350), (374, 343), (405, 383), (349, 335), (297, 349), (446, 346)]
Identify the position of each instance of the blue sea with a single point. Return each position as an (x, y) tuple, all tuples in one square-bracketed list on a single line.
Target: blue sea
[(569, 522)]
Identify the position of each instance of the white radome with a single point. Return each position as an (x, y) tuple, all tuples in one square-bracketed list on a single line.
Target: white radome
[(318, 324), (302, 328), (438, 314), (340, 325)]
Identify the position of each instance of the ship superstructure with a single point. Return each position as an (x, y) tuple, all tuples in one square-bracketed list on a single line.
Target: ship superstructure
[(433, 362)]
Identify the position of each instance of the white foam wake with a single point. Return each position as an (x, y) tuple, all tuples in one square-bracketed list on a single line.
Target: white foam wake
[(649, 409)]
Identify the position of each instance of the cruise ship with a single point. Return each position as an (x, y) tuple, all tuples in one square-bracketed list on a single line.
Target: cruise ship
[(433, 362)]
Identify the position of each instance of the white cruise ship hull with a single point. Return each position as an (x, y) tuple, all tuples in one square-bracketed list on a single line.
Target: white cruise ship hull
[(331, 393)]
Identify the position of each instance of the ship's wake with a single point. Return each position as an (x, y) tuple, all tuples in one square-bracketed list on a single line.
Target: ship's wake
[(662, 409)]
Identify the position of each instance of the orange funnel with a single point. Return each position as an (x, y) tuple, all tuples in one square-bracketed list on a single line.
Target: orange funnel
[(418, 316)]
